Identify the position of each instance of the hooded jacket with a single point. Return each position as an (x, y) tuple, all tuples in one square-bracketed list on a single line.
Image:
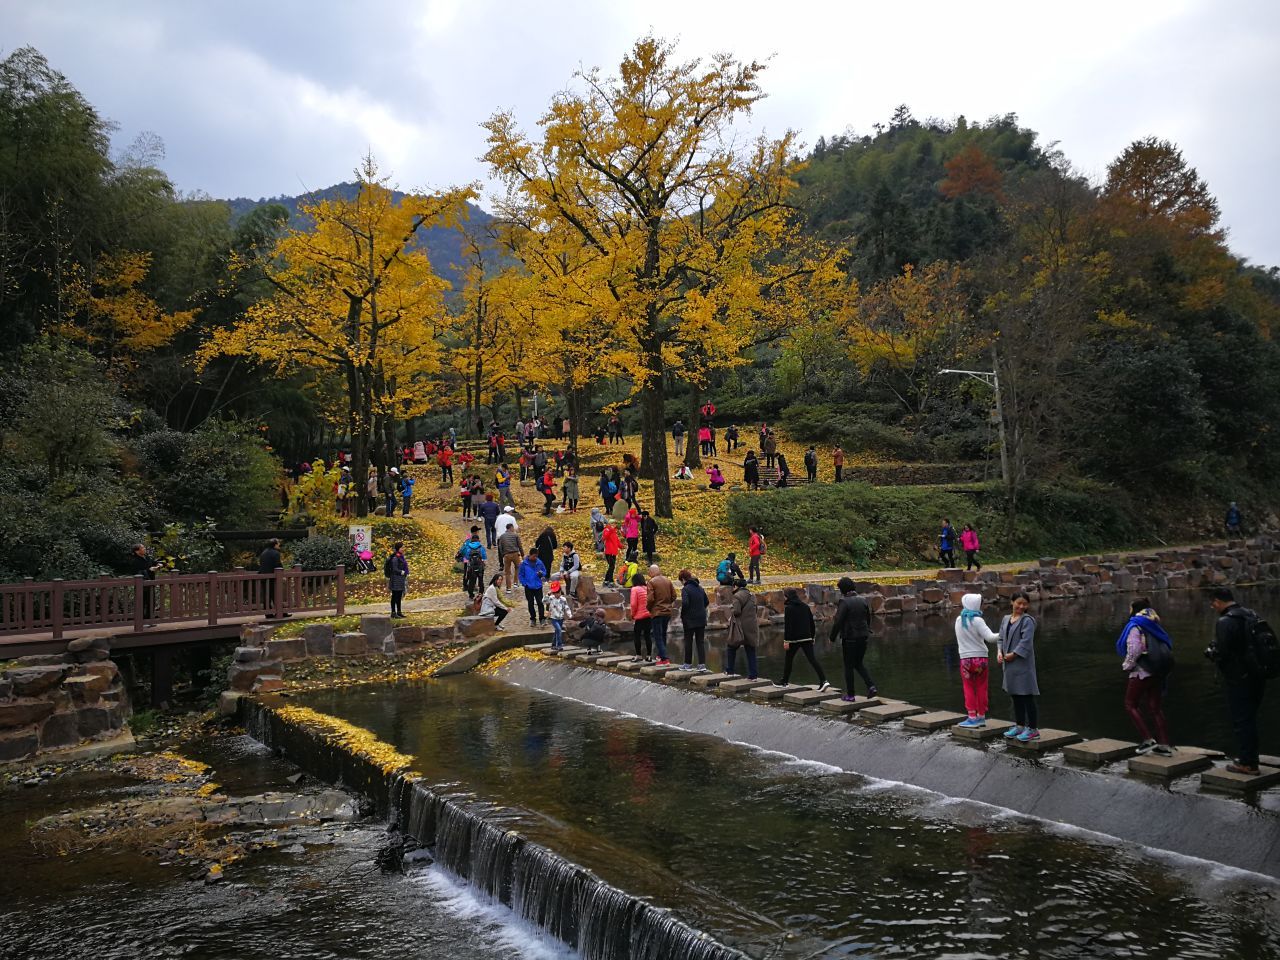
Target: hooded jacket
[(972, 632), (853, 619), (797, 624), (744, 615), (693, 604)]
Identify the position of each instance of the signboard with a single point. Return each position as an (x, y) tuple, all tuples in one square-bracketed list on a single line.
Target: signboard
[(361, 538)]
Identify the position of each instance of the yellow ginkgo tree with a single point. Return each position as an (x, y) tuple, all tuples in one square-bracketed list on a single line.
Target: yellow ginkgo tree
[(354, 294)]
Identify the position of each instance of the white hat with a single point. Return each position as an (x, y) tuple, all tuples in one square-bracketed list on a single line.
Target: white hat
[(508, 509), (394, 470)]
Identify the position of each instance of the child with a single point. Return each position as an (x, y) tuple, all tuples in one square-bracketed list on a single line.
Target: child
[(594, 632), (558, 612)]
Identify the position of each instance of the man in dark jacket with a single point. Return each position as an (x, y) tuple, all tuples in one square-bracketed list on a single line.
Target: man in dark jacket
[(144, 566), (489, 510), (268, 562), (1245, 683), (852, 624)]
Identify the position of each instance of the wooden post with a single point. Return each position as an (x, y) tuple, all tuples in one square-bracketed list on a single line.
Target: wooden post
[(213, 598), (342, 589), (279, 592), (29, 604), (56, 612), (139, 601)]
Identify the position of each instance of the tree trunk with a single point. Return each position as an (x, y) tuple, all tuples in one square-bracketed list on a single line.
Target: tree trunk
[(653, 463), (358, 424), (692, 450)]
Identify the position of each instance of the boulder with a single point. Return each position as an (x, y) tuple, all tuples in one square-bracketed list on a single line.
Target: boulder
[(104, 669), (6, 689), (243, 675), (95, 720), (377, 627), (229, 703), (268, 683), (437, 636), (891, 605), (22, 713), (16, 744), (41, 660), (586, 592), (33, 681), (318, 639), (932, 595), (60, 730), (350, 645), (774, 600), (249, 654), (288, 648), (80, 644), (256, 634), (611, 614), (406, 636), (470, 627), (85, 689), (610, 598)]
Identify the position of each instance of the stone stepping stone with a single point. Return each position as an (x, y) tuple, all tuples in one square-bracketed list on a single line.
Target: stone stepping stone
[(1166, 768), (631, 665), (1217, 778), (1049, 741), (1094, 753), (936, 720), (810, 696), (993, 729), (537, 647), (770, 692), (653, 670), (741, 685), (568, 651), (679, 676), (845, 707), (586, 657), (890, 711), (611, 660), (709, 681)]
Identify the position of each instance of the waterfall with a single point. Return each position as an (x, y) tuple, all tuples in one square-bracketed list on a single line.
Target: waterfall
[(571, 903)]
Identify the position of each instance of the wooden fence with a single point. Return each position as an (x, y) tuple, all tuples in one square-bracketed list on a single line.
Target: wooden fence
[(133, 603)]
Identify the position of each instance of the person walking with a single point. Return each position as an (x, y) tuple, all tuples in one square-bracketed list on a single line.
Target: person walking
[(511, 552), (472, 556), (852, 625), (744, 630), (631, 530), (811, 464), (488, 511), (445, 459), (558, 611), (693, 617), (506, 519), (612, 547), (269, 562), (704, 440), (492, 604), (972, 637), (390, 486), (502, 479), (755, 550), (532, 575), (548, 486), (661, 600), (970, 545), (397, 571), (642, 620), (648, 535), (570, 491), (837, 461), (798, 634), (1234, 519), (751, 471), (608, 490), (1147, 650), (731, 439), (1017, 653), (947, 544), (1233, 650), (677, 435), (465, 493), (784, 471), (406, 494), (145, 567), (546, 545)]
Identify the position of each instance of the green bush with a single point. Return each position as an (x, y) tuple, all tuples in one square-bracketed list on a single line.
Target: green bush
[(854, 431), (323, 553)]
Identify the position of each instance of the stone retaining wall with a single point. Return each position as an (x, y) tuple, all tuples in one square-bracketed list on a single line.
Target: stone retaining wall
[(58, 700)]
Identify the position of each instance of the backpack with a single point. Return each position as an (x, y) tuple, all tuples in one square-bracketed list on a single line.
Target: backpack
[(1264, 647), (538, 484), (387, 570), (762, 544), (1158, 660), (613, 487), (723, 572)]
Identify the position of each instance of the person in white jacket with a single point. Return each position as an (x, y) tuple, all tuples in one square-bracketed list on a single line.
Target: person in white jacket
[(972, 636), (492, 605)]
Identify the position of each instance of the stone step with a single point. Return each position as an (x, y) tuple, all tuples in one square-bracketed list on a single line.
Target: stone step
[(936, 720), (631, 665), (890, 711), (845, 707), (741, 685), (992, 729), (568, 651), (810, 697), (611, 660), (537, 647), (1180, 764), (1094, 753), (709, 681), (1049, 741), (679, 676), (654, 670), (770, 691), (1218, 778)]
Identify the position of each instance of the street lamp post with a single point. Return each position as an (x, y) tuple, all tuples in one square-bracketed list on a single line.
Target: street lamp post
[(992, 379)]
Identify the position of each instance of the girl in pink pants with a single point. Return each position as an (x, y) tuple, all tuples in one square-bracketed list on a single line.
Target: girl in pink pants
[(972, 636)]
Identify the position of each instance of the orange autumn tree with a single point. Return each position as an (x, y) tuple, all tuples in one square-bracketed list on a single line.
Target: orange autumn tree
[(648, 171), (354, 295)]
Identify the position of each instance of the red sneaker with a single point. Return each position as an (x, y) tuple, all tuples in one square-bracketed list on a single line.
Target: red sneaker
[(663, 663)]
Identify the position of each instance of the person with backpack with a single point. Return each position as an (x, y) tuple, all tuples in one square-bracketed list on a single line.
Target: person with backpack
[(972, 637), (947, 544), (811, 464), (472, 556), (1017, 654), (1147, 650), (612, 547), (629, 571), (852, 625), (640, 617), (798, 634), (755, 550), (396, 570), (970, 545), (693, 617), (492, 605), (744, 630), (728, 571), (558, 611), (608, 490), (502, 480), (1247, 653), (597, 530), (532, 575)]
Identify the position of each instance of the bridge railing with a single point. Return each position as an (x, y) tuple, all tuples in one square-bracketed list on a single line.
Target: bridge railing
[(133, 603)]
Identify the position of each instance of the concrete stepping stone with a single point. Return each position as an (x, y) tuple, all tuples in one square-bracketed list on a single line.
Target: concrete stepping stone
[(992, 729), (1049, 741), (810, 697), (709, 681), (537, 647), (1094, 753), (679, 676), (935, 720), (611, 660), (844, 706), (631, 665), (1218, 778), (770, 692), (1166, 768), (586, 657), (654, 670), (568, 651), (890, 711), (741, 685)]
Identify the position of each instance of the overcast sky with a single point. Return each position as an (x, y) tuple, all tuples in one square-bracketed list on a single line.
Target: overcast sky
[(279, 96)]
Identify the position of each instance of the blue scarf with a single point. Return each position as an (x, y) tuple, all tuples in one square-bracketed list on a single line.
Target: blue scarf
[(1148, 625), (968, 616)]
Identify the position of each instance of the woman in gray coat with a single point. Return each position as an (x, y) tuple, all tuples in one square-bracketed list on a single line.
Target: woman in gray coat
[(744, 630), (1017, 653)]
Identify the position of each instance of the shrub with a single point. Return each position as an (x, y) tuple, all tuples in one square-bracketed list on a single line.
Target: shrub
[(323, 553), (854, 431), (192, 548)]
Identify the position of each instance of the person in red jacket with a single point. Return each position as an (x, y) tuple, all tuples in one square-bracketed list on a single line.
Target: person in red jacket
[(549, 490), (464, 460), (755, 550), (612, 546), (445, 459)]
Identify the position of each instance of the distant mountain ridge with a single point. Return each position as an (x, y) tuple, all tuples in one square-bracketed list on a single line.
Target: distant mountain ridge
[(444, 245)]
